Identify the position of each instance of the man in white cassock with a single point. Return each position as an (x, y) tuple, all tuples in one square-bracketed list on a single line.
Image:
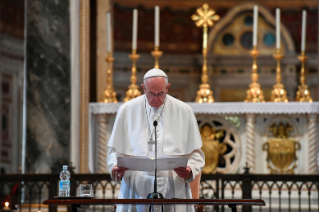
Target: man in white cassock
[(177, 135)]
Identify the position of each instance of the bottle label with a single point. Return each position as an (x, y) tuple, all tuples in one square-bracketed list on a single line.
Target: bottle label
[(64, 186)]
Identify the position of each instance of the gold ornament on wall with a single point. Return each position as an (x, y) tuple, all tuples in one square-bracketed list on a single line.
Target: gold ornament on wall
[(278, 94), (281, 149), (133, 91), (109, 94), (303, 94), (205, 18), (212, 148)]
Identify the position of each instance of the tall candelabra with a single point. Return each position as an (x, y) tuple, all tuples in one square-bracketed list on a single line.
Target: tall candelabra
[(278, 94), (109, 94), (156, 54), (303, 94), (204, 17), (133, 91), (254, 94)]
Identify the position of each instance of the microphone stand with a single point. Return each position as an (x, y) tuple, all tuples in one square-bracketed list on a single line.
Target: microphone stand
[(155, 194)]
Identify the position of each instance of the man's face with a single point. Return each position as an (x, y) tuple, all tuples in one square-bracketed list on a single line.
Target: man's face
[(155, 89)]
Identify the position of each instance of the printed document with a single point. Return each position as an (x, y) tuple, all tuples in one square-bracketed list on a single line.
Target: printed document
[(148, 164)]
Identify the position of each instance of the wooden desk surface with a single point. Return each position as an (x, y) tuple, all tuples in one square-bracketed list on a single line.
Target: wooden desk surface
[(244, 202)]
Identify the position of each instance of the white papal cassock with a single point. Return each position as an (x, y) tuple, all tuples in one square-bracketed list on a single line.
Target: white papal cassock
[(177, 134)]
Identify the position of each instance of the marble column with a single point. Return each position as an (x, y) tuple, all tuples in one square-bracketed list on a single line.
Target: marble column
[(312, 145), (85, 98), (47, 139), (250, 142), (75, 44)]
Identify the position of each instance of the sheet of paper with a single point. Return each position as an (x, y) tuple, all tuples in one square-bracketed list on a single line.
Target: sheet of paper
[(148, 164)]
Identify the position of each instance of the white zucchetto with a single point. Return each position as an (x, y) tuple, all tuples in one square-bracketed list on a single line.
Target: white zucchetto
[(155, 72)]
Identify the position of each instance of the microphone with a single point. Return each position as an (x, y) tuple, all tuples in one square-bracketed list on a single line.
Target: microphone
[(155, 194)]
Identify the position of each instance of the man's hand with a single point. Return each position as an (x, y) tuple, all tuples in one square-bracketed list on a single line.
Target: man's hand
[(183, 172), (119, 171)]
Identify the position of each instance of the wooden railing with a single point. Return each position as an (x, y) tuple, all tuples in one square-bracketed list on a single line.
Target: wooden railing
[(280, 192)]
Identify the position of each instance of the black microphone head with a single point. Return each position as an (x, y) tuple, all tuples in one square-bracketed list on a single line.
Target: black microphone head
[(155, 123)]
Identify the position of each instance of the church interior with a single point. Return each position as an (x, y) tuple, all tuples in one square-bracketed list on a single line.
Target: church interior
[(248, 69)]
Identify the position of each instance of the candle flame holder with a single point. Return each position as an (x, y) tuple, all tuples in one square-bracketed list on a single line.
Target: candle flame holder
[(254, 93), (278, 94), (109, 94), (156, 54), (303, 94), (133, 91)]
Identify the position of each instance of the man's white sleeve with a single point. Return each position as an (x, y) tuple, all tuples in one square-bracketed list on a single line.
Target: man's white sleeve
[(111, 160), (196, 161)]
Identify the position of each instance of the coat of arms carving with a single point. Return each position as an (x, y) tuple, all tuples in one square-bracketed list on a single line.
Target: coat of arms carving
[(281, 149)]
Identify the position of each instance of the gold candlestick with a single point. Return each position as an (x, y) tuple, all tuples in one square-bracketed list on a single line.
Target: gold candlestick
[(278, 94), (205, 17), (133, 91), (157, 54), (109, 94), (254, 94), (303, 94)]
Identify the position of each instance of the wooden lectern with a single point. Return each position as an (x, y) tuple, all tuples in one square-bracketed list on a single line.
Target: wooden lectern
[(79, 205)]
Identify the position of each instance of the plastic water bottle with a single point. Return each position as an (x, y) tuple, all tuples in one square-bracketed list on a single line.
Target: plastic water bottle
[(64, 185)]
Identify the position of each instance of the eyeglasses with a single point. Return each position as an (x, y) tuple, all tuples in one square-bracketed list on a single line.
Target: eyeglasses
[(152, 95)]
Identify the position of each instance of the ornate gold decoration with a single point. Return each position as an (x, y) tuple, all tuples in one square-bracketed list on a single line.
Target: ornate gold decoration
[(109, 94), (278, 94), (303, 94), (133, 91), (157, 54), (205, 18), (211, 147), (254, 94), (281, 149)]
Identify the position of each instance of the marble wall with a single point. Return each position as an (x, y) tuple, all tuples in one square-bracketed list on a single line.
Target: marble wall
[(48, 85)]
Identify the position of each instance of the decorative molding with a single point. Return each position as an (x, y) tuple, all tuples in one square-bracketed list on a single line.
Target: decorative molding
[(219, 26), (102, 143), (228, 108), (12, 47), (250, 142), (313, 146), (186, 4), (235, 142)]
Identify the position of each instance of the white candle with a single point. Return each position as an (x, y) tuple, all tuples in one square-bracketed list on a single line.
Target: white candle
[(108, 33), (255, 25), (303, 32), (134, 36), (278, 28), (156, 25)]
